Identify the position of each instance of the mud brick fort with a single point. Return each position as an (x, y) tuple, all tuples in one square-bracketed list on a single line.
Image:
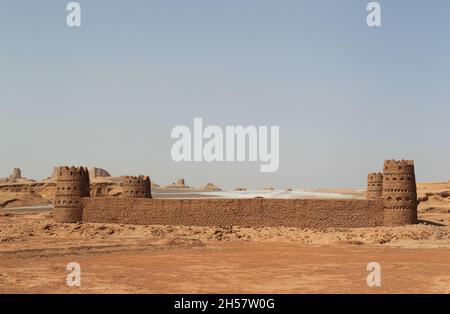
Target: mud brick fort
[(391, 200)]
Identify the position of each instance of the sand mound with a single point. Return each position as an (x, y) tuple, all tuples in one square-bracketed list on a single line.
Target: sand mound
[(20, 227), (210, 187)]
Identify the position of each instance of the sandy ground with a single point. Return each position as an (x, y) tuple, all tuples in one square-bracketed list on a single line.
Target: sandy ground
[(34, 252)]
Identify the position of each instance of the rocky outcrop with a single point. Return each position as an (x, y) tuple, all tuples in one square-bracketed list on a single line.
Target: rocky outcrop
[(26, 194), (210, 187), (16, 174), (94, 172), (15, 177), (98, 173), (180, 184), (104, 189)]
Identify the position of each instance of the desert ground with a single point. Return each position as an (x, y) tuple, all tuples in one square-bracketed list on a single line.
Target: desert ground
[(34, 253)]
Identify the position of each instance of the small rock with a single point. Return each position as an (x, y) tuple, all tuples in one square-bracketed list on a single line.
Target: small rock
[(355, 242)]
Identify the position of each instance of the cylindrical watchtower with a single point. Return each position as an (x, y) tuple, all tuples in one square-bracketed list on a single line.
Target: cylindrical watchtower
[(72, 184), (137, 187), (374, 185), (399, 193)]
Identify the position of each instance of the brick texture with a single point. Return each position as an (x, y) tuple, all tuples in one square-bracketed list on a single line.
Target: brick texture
[(311, 213)]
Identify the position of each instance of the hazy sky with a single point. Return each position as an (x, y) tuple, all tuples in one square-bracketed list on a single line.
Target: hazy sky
[(108, 94)]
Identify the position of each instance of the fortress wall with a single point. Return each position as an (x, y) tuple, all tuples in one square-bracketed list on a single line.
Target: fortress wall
[(399, 193), (374, 185), (71, 186), (137, 187), (311, 213)]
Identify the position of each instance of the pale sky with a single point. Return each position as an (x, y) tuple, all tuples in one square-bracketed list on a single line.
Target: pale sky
[(108, 94)]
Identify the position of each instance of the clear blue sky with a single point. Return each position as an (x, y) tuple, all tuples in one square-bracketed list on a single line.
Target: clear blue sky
[(345, 96)]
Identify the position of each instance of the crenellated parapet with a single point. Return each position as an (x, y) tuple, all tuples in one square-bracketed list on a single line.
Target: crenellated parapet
[(399, 192), (72, 185), (137, 187), (374, 185)]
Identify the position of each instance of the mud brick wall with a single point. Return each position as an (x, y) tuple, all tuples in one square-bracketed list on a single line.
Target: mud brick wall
[(136, 187), (311, 213), (374, 185), (72, 185), (399, 193)]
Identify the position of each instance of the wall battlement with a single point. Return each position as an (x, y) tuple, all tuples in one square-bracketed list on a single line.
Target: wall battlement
[(72, 184), (391, 200), (399, 192), (136, 187), (374, 185)]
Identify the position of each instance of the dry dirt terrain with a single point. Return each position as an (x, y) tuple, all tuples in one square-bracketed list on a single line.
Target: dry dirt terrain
[(34, 253)]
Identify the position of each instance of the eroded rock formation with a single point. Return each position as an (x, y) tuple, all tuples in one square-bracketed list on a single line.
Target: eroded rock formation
[(180, 184), (98, 173), (210, 187)]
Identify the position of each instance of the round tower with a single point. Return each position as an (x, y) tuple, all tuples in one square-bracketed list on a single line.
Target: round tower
[(137, 187), (72, 185), (399, 193), (374, 185)]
